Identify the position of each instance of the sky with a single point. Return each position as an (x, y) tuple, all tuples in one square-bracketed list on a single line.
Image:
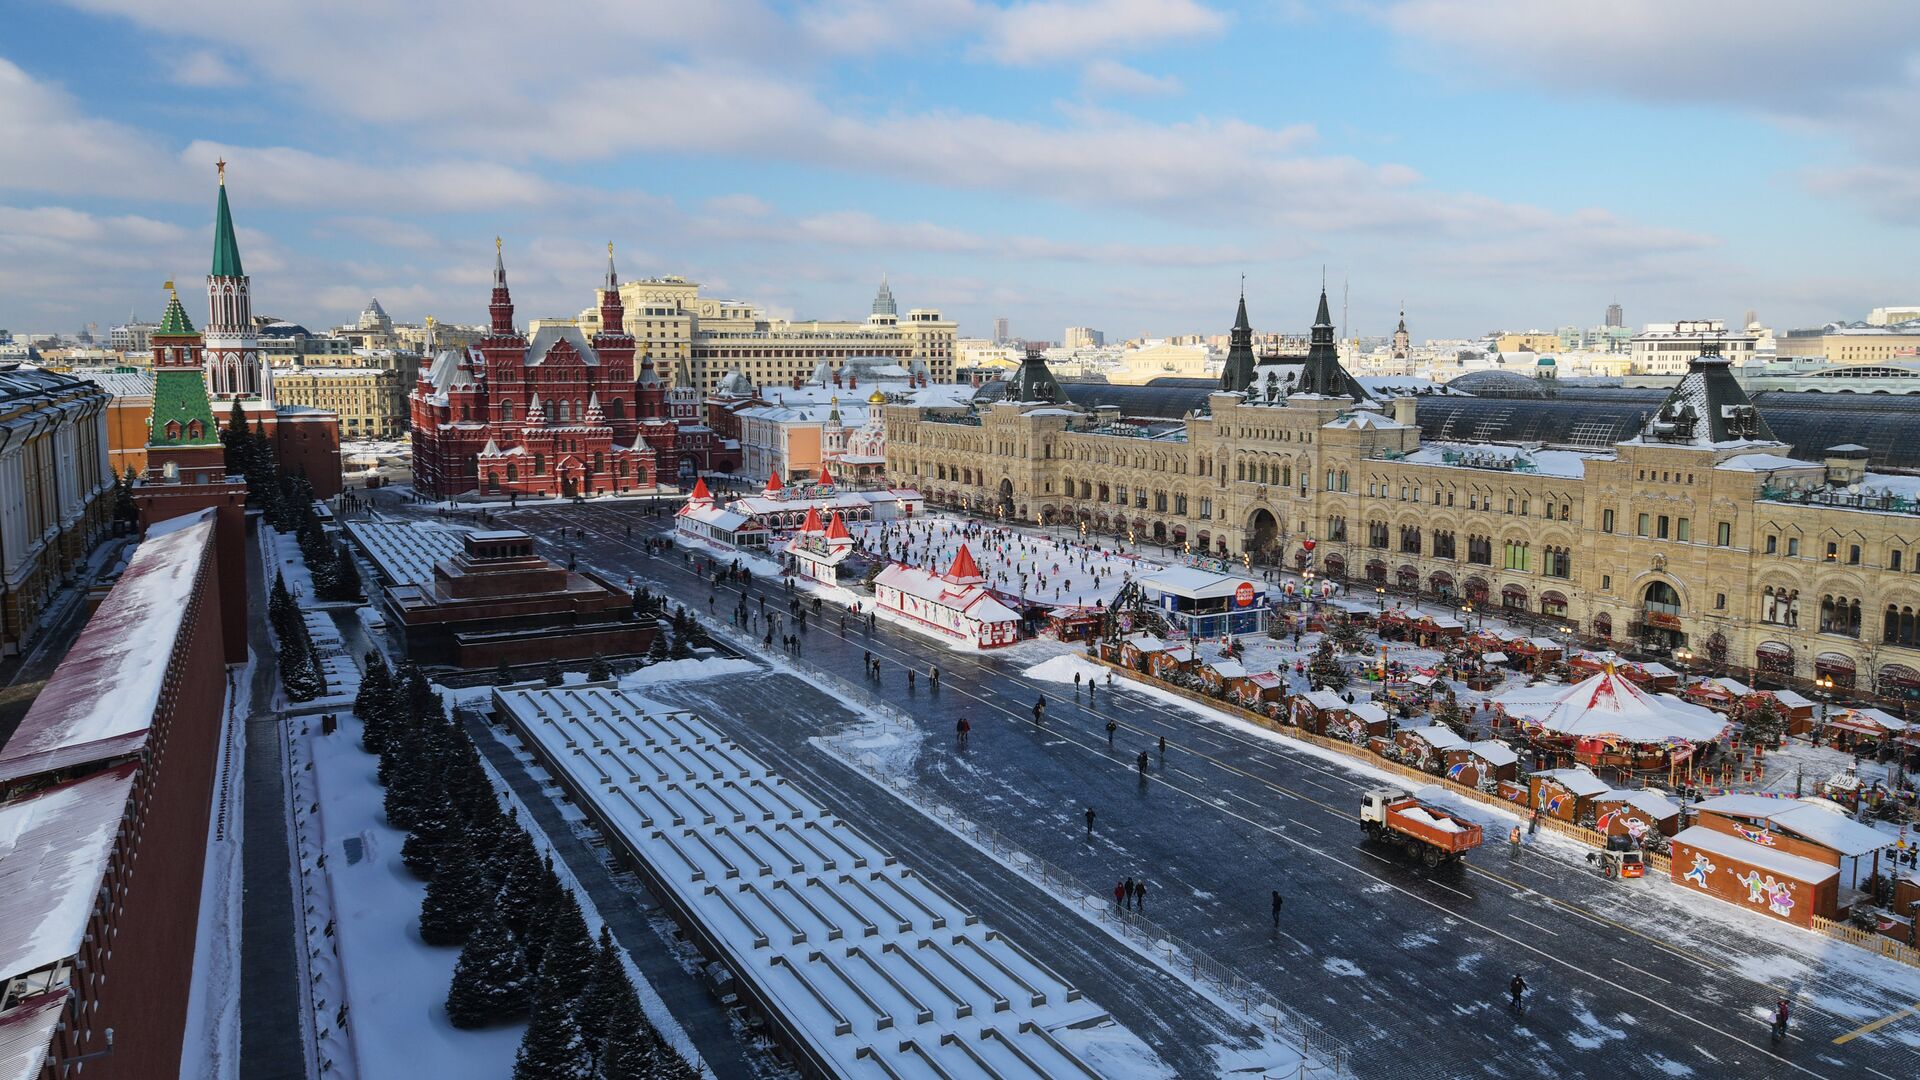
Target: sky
[(1118, 164)]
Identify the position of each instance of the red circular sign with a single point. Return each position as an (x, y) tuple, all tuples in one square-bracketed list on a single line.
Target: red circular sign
[(1306, 545), (1243, 595)]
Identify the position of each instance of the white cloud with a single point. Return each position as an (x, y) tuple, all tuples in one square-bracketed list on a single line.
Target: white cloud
[(1891, 193), (52, 145), (1043, 31), (384, 231), (204, 68), (1105, 76), (290, 177)]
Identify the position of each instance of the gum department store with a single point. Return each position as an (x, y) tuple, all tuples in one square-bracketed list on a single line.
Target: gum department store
[(1693, 530)]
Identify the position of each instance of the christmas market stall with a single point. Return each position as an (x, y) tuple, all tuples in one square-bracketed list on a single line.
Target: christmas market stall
[(1259, 690), (1483, 763), (1650, 674), (1174, 660), (1636, 813), (1138, 651), (956, 604), (1220, 676), (1566, 794), (1606, 721), (1075, 623), (817, 551), (1862, 731), (1716, 694), (1425, 747), (1788, 858), (1534, 653), (1800, 711), (1322, 712)]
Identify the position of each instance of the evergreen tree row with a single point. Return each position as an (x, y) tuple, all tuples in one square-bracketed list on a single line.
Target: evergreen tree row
[(525, 947), (298, 659)]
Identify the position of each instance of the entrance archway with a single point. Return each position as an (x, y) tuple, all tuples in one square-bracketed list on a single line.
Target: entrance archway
[(1660, 617), (1006, 498), (1263, 535)]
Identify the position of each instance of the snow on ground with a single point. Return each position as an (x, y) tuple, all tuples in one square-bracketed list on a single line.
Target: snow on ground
[(211, 1047), (395, 985), (1792, 959), (1025, 563), (686, 671)]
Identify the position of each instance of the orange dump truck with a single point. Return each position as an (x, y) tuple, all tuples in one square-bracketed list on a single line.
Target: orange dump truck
[(1425, 831)]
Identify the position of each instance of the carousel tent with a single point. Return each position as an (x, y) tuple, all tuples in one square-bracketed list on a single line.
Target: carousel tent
[(1607, 706)]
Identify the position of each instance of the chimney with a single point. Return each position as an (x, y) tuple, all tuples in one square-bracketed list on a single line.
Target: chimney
[(1403, 411), (1846, 464)]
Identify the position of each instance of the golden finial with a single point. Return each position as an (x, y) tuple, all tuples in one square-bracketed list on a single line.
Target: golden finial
[(222, 166), (609, 247), (168, 285), (429, 322), (496, 243)]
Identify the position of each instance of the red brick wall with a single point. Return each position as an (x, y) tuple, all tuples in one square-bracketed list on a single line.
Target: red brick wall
[(141, 990)]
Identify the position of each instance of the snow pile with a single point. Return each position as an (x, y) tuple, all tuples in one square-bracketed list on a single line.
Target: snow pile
[(687, 671)]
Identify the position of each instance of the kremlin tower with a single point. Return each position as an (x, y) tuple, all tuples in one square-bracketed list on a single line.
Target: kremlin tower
[(233, 361)]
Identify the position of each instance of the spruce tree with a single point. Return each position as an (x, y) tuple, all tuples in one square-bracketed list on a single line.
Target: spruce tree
[(454, 894), (432, 829), (679, 650), (540, 923), (1324, 669), (659, 650), (568, 953), (552, 1048), (523, 882), (490, 980), (280, 606), (600, 670), (502, 675), (607, 987), (297, 672), (551, 676), (627, 1047), (374, 702)]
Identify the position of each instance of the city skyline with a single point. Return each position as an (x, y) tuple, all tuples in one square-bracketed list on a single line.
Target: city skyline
[(1110, 163)]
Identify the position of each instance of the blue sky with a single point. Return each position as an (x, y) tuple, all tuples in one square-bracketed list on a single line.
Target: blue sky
[(1114, 163)]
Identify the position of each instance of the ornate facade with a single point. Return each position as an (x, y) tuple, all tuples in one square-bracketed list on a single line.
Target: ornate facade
[(55, 488), (560, 414), (234, 366), (1700, 533)]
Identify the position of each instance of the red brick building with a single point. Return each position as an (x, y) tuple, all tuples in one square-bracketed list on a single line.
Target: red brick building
[(561, 414), (496, 602), (114, 767)]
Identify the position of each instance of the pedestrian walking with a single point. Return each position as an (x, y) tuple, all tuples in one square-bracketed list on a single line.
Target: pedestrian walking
[(1277, 901), (1090, 826), (909, 678), (1076, 684), (933, 674), (1517, 988), (1140, 895), (1040, 709), (1111, 728), (1143, 764), (1533, 824), (1513, 839), (1120, 892), (1779, 1019), (961, 729), (1163, 748)]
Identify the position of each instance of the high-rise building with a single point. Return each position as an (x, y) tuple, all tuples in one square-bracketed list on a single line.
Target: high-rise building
[(1667, 348), (1083, 337), (1616, 315), (883, 301), (1000, 330)]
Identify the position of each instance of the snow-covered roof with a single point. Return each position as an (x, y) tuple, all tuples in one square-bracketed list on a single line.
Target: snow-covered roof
[(1146, 642), (26, 1035), (1194, 583), (101, 700), (1608, 706), (406, 553), (714, 517), (1494, 752), (1326, 700), (1438, 736), (54, 850), (1495, 657), (1362, 419), (1654, 804), (975, 601), (1368, 712), (1790, 699), (1733, 686), (864, 959), (1579, 781), (1567, 463), (1822, 822), (1227, 669), (1764, 463), (550, 335)]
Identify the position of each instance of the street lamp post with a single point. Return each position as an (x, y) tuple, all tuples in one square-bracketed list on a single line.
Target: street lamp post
[(1823, 689), (1381, 590)]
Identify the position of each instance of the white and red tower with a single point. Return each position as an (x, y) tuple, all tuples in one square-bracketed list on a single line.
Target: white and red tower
[(234, 366)]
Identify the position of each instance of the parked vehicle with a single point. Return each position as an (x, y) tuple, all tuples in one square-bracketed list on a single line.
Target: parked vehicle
[(1425, 831)]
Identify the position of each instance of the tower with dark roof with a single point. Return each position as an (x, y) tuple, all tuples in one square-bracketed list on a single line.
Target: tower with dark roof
[(1708, 408), (1033, 382), (1402, 341), (1238, 374), (1322, 373)]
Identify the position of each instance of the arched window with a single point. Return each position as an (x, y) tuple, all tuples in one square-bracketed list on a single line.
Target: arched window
[(195, 429), (173, 430)]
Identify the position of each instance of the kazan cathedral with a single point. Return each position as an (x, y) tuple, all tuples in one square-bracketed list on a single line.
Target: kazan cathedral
[(1762, 536)]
